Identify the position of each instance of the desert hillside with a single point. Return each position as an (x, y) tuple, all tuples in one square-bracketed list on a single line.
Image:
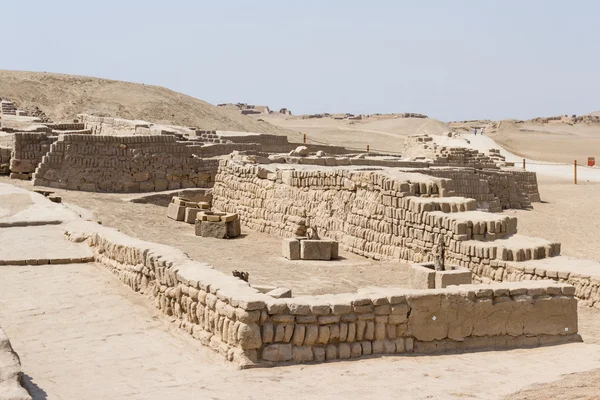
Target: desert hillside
[(384, 133), (62, 97)]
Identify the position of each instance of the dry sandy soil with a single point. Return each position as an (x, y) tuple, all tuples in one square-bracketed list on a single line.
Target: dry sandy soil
[(551, 142), (382, 135), (62, 97)]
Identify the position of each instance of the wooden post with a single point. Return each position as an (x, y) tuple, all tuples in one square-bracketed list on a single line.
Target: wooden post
[(368, 148), (575, 171), (305, 138), (523, 164)]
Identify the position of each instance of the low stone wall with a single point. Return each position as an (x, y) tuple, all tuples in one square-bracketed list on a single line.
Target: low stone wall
[(10, 370), (74, 126), (254, 329), (101, 163), (584, 275), (28, 150)]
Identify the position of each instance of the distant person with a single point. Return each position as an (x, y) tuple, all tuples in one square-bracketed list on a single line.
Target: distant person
[(475, 132), (481, 131)]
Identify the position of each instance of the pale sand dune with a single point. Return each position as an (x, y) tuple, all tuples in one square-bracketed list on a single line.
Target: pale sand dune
[(559, 142), (384, 135)]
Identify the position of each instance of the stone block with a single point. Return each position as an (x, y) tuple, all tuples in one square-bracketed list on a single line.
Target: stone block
[(229, 217), (460, 276), (277, 352), (234, 228), (290, 249), (420, 277), (315, 250), (213, 229), (180, 201), (335, 249), (203, 205), (190, 214), (198, 227), (161, 185), (176, 212)]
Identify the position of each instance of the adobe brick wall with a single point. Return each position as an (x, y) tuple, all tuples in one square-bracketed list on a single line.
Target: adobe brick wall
[(138, 163), (254, 329)]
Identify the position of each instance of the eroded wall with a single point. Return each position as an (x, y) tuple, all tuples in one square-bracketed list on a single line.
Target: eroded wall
[(101, 163), (377, 214)]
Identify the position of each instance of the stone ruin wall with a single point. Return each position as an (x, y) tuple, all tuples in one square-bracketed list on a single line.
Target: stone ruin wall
[(369, 213), (27, 152), (102, 163), (380, 217), (501, 189), (253, 329)]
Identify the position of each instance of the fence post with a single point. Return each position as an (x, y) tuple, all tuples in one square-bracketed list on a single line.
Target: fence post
[(305, 138), (368, 148), (575, 171), (524, 165)]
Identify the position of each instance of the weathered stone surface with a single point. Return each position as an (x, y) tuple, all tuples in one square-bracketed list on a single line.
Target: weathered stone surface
[(279, 353), (213, 229), (176, 212), (190, 214), (290, 249), (233, 228), (420, 277), (315, 250)]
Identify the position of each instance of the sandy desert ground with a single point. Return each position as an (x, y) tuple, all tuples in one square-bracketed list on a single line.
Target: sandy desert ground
[(567, 214)]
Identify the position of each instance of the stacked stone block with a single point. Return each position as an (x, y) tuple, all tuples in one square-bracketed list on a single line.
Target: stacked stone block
[(374, 214), (101, 163), (8, 107), (27, 153), (494, 190), (425, 146)]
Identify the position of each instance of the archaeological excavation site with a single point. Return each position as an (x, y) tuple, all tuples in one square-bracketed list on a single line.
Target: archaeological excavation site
[(266, 251)]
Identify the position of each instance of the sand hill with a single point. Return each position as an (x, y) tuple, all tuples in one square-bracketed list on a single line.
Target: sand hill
[(556, 139), (381, 133), (62, 97)]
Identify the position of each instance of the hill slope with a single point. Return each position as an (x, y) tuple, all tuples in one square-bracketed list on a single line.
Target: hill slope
[(62, 97), (386, 134)]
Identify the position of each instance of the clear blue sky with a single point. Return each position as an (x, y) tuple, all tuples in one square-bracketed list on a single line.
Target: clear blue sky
[(460, 59)]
